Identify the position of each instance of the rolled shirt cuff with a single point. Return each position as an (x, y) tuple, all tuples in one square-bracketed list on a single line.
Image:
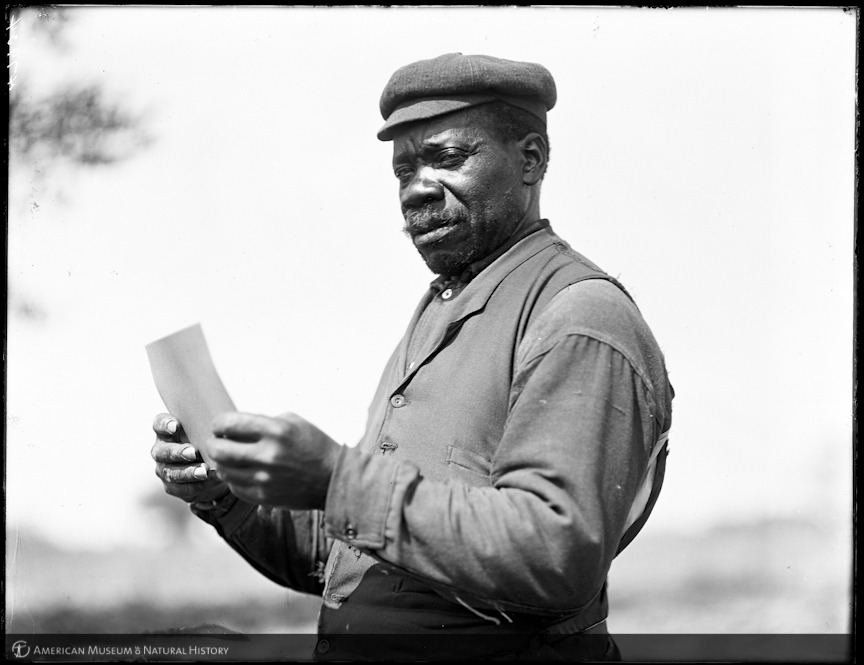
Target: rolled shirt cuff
[(226, 513)]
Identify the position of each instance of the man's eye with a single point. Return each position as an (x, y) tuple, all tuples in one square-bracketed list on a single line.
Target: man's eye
[(450, 159), (404, 173)]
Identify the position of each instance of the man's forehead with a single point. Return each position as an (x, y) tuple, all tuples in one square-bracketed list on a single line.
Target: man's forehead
[(465, 127)]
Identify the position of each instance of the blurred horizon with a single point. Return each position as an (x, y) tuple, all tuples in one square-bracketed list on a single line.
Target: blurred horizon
[(173, 165), (662, 583)]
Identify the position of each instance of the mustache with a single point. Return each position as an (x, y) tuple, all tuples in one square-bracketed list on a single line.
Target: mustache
[(423, 220)]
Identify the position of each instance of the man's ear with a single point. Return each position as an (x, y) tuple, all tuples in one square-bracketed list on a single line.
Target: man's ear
[(535, 156)]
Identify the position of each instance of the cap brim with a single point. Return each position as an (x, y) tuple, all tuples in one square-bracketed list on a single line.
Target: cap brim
[(425, 108)]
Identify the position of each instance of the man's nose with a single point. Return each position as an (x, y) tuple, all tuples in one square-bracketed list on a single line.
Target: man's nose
[(423, 188)]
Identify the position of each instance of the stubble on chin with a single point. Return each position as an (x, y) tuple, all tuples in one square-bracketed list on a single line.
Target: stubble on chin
[(439, 258), (453, 258), (479, 236), (446, 263)]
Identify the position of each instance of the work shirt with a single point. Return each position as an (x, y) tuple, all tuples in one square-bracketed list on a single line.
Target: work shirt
[(511, 447)]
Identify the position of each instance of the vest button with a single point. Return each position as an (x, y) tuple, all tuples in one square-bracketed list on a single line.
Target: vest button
[(398, 400), (323, 646), (387, 447), (446, 294)]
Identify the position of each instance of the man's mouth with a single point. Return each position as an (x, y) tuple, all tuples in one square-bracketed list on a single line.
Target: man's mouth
[(431, 236), (427, 227)]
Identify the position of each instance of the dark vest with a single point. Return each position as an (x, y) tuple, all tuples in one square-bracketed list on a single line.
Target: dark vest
[(459, 393)]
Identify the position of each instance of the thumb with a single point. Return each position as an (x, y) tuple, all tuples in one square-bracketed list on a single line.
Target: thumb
[(245, 427)]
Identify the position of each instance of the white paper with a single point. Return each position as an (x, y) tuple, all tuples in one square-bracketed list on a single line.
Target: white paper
[(188, 383)]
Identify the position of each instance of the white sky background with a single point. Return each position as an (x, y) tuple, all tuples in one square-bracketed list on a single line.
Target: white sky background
[(705, 157)]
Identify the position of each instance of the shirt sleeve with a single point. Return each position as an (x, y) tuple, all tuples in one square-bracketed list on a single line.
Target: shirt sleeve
[(582, 423), (287, 546)]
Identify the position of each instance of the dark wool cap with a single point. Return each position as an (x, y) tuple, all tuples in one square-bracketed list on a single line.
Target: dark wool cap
[(453, 82)]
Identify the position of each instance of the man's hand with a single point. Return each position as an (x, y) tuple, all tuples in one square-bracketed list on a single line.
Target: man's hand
[(283, 462), (179, 466)]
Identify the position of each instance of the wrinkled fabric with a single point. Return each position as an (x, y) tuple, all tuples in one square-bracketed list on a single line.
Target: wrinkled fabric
[(452, 82), (499, 466)]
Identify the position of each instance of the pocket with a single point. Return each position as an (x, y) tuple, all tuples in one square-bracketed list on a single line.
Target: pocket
[(468, 466)]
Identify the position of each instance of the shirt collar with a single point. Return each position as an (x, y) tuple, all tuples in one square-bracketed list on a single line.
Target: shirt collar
[(476, 293), (495, 268)]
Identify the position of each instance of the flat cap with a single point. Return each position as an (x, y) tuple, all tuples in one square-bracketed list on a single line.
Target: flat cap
[(452, 82)]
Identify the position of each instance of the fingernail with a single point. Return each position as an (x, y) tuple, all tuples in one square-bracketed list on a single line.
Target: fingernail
[(200, 472), (188, 453), (171, 426)]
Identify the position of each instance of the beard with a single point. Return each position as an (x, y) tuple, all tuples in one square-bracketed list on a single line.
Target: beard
[(466, 238)]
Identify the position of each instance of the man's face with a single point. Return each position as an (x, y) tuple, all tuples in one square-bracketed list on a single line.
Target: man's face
[(460, 188)]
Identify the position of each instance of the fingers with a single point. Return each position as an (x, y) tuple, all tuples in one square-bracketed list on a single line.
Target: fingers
[(167, 427), (202, 490), (233, 434), (245, 477), (247, 427), (182, 473), (168, 452), (180, 466), (190, 482), (232, 454)]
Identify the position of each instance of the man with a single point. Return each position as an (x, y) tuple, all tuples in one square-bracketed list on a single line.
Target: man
[(516, 441)]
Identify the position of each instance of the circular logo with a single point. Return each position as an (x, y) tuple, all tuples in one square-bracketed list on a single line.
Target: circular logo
[(20, 649)]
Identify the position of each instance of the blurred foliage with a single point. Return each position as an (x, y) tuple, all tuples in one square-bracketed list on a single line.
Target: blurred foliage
[(147, 617), (778, 576), (28, 310), (62, 127), (76, 122)]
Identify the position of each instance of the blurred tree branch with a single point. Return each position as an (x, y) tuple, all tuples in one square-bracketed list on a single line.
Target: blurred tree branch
[(56, 128), (75, 122)]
